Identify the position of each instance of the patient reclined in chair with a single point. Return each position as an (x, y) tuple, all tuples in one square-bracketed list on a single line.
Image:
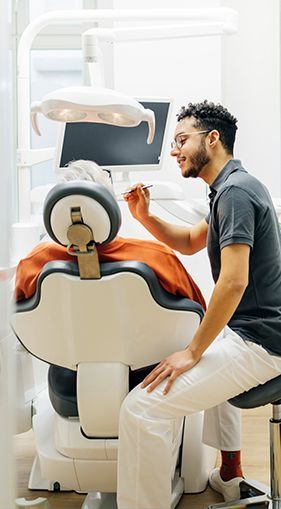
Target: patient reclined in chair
[(100, 327)]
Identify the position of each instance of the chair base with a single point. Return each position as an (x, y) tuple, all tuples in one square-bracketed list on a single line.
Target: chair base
[(66, 460), (97, 500), (254, 495)]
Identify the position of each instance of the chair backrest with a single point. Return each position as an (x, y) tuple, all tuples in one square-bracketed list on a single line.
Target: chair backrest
[(124, 317)]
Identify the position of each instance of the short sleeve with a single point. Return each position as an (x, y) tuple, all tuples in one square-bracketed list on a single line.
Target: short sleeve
[(235, 217)]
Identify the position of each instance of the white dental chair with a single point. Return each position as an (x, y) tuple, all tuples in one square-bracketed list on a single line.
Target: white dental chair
[(99, 326)]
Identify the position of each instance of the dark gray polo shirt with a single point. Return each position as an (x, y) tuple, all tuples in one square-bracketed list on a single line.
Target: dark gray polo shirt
[(241, 212)]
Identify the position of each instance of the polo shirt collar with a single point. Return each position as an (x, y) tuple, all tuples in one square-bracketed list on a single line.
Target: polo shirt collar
[(230, 167)]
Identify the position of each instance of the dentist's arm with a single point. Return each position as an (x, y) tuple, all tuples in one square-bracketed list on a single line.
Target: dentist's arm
[(183, 239), (226, 296)]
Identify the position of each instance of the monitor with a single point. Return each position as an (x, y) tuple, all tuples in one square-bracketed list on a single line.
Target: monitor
[(115, 148)]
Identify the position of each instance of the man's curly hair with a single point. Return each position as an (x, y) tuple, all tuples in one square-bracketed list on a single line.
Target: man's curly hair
[(210, 116)]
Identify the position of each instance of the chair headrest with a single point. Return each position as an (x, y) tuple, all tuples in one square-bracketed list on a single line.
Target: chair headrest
[(99, 210)]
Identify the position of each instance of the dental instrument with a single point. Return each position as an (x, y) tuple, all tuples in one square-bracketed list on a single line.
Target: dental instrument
[(142, 188)]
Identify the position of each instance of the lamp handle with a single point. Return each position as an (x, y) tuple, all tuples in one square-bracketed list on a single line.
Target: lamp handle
[(150, 118), (35, 108)]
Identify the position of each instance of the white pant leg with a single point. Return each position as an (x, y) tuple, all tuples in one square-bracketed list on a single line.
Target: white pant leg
[(149, 421), (222, 427)]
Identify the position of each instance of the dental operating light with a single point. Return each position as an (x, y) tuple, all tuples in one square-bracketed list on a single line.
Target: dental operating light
[(91, 104)]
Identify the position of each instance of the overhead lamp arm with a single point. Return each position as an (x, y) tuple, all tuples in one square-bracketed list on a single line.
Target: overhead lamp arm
[(91, 40)]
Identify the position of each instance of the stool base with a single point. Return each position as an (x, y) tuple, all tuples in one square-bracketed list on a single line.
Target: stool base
[(254, 496), (261, 502)]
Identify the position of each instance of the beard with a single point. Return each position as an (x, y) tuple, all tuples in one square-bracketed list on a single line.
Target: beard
[(198, 160)]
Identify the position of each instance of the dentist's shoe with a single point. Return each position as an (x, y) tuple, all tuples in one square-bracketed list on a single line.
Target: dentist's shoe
[(229, 489)]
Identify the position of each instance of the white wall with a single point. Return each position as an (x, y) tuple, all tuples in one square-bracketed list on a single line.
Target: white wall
[(186, 70), (251, 87)]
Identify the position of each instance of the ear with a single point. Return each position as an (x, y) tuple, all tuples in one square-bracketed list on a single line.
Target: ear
[(213, 138)]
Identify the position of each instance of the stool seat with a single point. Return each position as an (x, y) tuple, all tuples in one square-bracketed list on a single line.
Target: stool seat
[(270, 392)]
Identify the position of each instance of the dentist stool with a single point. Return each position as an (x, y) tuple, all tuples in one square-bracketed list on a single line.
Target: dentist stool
[(255, 495), (97, 325)]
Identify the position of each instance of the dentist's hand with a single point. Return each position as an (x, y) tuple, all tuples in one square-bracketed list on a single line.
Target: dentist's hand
[(171, 367), (138, 201)]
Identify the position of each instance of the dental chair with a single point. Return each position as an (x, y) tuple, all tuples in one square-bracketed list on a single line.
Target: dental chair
[(99, 326)]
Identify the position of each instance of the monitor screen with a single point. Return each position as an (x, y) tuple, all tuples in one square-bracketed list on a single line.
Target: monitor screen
[(115, 148)]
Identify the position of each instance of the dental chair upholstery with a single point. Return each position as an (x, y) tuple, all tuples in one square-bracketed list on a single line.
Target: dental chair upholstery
[(99, 330)]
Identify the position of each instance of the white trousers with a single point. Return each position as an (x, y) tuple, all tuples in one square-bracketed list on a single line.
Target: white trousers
[(150, 423)]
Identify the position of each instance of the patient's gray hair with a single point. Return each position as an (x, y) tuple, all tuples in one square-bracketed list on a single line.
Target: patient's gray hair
[(87, 170)]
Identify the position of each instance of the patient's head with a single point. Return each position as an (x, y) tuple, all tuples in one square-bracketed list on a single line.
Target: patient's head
[(87, 170)]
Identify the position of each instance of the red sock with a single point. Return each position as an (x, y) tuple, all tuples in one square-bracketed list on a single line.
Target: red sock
[(230, 465)]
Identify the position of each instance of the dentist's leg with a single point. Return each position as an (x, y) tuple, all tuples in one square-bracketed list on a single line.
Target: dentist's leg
[(222, 427), (149, 422)]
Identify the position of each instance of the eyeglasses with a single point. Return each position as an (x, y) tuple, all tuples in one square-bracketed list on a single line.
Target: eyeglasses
[(178, 142)]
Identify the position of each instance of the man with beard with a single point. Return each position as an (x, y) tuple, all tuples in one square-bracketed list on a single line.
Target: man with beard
[(238, 343)]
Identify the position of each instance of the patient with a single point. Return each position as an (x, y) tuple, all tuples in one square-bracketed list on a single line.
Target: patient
[(168, 268)]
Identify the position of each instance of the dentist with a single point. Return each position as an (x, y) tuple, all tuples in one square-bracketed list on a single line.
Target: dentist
[(238, 344)]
